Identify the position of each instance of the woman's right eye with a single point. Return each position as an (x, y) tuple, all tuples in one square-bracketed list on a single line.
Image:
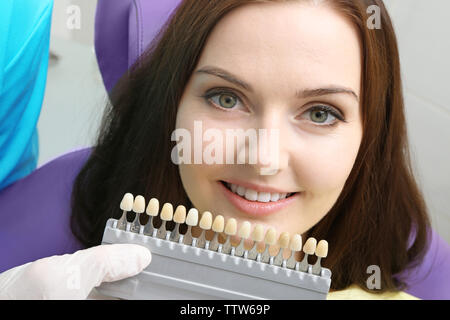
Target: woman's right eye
[(223, 99)]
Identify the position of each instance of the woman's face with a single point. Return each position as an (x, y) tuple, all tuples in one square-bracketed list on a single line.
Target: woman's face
[(297, 71)]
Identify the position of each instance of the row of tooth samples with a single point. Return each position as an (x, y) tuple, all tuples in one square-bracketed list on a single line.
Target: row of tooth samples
[(289, 246)]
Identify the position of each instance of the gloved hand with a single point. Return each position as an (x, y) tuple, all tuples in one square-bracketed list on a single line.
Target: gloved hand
[(73, 276)]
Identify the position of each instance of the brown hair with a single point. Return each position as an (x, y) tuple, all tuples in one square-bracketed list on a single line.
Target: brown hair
[(380, 207)]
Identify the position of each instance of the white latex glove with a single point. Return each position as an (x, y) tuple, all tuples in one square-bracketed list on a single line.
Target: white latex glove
[(73, 276)]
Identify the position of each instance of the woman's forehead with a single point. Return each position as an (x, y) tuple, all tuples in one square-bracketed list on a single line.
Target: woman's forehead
[(302, 44)]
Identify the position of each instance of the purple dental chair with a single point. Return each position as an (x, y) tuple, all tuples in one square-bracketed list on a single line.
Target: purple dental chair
[(35, 211)]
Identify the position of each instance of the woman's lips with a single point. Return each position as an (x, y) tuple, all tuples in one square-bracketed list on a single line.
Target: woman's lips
[(255, 187), (255, 208)]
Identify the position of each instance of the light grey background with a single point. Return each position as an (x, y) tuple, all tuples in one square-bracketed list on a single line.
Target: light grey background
[(75, 96)]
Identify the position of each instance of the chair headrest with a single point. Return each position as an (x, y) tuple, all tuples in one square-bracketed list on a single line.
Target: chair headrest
[(123, 30)]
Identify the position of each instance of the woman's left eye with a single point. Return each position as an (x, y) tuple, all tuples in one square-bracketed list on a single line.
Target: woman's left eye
[(322, 115)]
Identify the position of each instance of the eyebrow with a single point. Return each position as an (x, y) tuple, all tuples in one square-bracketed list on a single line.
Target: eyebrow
[(305, 93)]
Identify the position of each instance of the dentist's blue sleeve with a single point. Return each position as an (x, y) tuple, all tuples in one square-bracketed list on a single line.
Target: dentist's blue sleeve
[(24, 50)]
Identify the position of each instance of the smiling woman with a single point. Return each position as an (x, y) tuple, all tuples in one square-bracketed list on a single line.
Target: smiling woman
[(278, 82), (311, 70)]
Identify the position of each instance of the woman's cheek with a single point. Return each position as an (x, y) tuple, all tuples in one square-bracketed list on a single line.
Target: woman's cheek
[(327, 167)]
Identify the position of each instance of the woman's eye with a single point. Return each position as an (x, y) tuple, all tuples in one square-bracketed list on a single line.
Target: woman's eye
[(322, 115), (226, 101), (223, 100)]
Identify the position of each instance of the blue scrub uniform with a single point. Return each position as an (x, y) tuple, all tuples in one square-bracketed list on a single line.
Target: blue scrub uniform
[(24, 50)]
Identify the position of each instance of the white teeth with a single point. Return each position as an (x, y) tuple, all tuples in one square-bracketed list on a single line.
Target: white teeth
[(263, 196), (253, 195), (240, 191), (274, 196)]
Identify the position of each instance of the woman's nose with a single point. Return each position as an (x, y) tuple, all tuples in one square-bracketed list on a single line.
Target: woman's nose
[(267, 154)]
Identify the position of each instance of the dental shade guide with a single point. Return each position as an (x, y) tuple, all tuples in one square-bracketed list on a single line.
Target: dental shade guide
[(184, 267)]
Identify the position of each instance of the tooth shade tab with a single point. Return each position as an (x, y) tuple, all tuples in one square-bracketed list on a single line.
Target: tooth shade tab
[(258, 233), (127, 202), (152, 207), (310, 246), (218, 224), (231, 227), (322, 249), (206, 220), (244, 231), (180, 214), (192, 217), (296, 242), (271, 237), (167, 212), (139, 204), (283, 241)]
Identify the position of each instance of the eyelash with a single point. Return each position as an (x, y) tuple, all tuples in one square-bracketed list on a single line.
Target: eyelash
[(321, 107)]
